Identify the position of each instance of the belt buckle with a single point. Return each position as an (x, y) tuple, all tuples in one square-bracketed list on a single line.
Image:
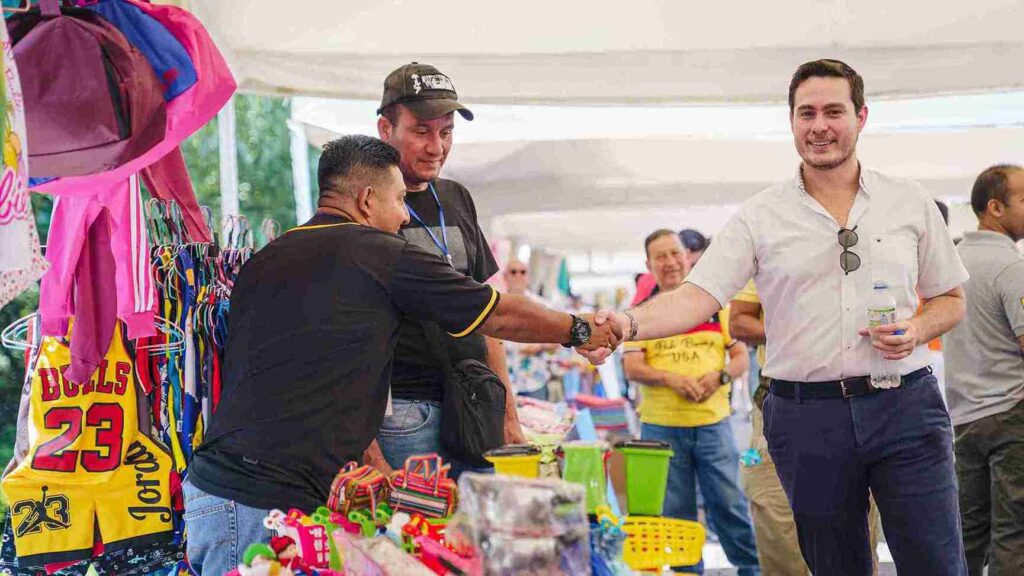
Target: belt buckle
[(842, 386)]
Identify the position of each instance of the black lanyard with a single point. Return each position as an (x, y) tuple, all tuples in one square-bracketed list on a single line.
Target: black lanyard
[(441, 244)]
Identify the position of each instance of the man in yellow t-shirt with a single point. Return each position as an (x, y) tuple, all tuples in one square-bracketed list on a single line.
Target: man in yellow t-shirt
[(774, 527), (685, 382)]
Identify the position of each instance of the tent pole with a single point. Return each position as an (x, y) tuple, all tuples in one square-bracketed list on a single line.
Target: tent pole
[(228, 160), (300, 172)]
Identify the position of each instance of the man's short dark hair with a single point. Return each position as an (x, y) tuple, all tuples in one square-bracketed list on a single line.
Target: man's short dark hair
[(352, 158), (944, 210), (654, 236), (391, 113), (992, 184), (828, 68)]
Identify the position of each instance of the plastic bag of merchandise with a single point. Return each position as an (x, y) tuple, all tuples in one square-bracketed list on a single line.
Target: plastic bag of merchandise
[(357, 562), (392, 559), (510, 555), (524, 526)]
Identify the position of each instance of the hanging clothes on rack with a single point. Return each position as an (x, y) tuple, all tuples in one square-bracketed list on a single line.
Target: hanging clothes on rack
[(109, 227), (193, 282), (197, 83), (177, 370)]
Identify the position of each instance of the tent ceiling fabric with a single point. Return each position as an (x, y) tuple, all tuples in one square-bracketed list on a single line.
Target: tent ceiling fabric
[(642, 52), (606, 194), (523, 177)]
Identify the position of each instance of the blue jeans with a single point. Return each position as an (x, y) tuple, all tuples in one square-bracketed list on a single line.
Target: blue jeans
[(414, 429), (899, 444), (219, 531), (708, 454)]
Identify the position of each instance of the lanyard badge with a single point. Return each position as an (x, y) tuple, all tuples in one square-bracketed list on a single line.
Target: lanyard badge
[(441, 244)]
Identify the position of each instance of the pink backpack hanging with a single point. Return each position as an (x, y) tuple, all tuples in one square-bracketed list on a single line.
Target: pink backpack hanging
[(186, 112), (92, 101)]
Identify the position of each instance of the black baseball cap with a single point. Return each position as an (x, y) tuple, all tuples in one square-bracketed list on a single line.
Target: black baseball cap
[(693, 240), (424, 90)]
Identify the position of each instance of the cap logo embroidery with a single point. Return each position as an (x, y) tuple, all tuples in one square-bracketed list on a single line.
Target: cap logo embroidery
[(431, 82)]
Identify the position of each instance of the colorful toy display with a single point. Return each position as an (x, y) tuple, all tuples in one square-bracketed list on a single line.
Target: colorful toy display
[(357, 486), (443, 560), (302, 542), (507, 523), (423, 487)]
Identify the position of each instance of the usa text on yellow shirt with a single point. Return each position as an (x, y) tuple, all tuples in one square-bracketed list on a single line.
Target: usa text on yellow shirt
[(693, 354)]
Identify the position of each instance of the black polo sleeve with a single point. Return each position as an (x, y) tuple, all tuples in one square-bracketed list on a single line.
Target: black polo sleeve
[(424, 286)]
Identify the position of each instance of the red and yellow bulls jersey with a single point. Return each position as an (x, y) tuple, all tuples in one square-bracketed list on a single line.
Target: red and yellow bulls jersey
[(88, 465)]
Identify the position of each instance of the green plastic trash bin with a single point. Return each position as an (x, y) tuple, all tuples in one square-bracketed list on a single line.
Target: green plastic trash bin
[(584, 463), (646, 475)]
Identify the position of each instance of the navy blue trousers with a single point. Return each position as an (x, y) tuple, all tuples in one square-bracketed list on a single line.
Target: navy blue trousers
[(896, 443)]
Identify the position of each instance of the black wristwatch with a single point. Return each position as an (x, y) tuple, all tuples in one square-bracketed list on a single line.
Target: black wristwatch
[(724, 378), (579, 334)]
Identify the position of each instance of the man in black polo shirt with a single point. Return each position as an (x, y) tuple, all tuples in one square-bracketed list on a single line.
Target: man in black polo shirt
[(417, 116), (314, 320)]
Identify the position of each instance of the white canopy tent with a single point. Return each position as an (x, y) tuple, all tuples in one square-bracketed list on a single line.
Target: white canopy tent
[(627, 171), (598, 122), (579, 52)]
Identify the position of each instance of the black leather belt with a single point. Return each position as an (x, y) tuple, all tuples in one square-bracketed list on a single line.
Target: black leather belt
[(847, 388)]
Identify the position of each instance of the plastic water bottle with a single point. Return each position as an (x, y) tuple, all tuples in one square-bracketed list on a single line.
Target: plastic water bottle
[(881, 311)]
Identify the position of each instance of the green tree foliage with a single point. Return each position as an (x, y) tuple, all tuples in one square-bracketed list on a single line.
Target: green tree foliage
[(264, 161)]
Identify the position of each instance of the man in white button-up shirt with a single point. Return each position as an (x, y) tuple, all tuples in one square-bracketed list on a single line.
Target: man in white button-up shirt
[(815, 245)]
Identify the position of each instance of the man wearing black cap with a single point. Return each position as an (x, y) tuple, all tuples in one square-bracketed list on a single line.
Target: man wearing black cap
[(417, 116)]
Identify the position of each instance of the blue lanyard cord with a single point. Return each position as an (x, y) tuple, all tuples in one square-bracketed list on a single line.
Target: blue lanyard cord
[(442, 245)]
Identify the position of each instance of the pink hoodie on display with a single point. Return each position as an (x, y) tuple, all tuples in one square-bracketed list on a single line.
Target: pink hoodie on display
[(65, 291), (94, 301)]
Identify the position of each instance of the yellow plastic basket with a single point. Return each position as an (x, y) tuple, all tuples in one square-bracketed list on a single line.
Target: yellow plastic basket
[(653, 543)]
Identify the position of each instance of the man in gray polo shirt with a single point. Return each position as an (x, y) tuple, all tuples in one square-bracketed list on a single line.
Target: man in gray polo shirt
[(985, 377)]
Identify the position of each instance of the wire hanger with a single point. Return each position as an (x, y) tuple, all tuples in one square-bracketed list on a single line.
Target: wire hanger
[(18, 9), (271, 229), (155, 222), (16, 335), (172, 330)]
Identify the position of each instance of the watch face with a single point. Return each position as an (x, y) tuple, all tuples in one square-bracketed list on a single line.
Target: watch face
[(581, 331)]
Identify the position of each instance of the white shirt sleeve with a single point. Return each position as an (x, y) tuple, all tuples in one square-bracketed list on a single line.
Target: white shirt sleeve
[(729, 262), (939, 267)]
